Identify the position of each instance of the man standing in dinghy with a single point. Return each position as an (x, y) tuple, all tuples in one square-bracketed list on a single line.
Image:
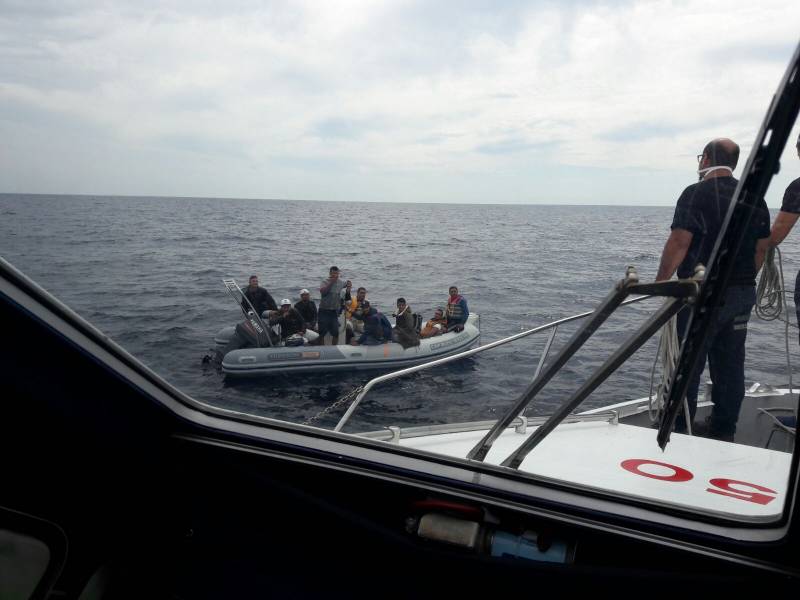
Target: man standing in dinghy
[(329, 305), (456, 311)]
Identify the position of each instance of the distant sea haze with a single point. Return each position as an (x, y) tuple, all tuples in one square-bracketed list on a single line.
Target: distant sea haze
[(148, 272)]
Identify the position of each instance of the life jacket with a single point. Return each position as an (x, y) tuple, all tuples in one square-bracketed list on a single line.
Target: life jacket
[(454, 312), (430, 328), (351, 306)]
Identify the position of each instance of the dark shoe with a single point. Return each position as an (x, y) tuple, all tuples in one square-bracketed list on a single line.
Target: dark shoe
[(706, 429)]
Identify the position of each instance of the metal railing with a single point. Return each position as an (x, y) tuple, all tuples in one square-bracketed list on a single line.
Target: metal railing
[(441, 361), (394, 434)]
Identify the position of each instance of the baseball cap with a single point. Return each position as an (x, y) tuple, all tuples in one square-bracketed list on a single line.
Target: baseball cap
[(286, 301), (304, 291)]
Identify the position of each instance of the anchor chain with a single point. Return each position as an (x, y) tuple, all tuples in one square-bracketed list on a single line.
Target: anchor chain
[(340, 402)]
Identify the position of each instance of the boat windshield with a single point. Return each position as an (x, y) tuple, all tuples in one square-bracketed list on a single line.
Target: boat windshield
[(562, 238)]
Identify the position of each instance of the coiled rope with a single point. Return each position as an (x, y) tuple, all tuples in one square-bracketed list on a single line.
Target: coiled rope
[(771, 300), (771, 304)]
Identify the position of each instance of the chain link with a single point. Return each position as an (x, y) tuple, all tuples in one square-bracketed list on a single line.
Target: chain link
[(341, 401)]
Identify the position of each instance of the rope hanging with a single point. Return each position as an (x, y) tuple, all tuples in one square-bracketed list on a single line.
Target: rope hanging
[(771, 300), (667, 356)]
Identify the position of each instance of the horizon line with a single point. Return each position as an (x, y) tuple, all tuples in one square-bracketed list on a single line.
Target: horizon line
[(318, 200)]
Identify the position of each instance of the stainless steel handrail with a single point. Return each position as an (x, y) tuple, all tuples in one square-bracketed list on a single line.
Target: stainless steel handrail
[(395, 434), (441, 361)]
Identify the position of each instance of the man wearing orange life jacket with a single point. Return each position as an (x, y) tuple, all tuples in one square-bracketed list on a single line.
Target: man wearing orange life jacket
[(351, 305), (434, 326), (456, 312)]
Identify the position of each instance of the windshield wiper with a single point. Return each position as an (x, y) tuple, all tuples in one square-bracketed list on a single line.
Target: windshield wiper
[(762, 165)]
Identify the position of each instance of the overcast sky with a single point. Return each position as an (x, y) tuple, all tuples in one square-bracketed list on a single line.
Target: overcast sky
[(578, 102)]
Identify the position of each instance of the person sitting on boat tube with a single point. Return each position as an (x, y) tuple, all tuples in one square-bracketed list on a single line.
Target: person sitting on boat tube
[(307, 309), (434, 326), (456, 312), (329, 306), (290, 320), (405, 333), (258, 296), (377, 329), (351, 306)]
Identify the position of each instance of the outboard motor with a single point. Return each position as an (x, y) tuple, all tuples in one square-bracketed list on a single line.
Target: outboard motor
[(249, 334)]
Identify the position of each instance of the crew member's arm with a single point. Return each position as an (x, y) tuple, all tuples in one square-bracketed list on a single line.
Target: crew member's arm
[(326, 285), (674, 252), (781, 227), (761, 251)]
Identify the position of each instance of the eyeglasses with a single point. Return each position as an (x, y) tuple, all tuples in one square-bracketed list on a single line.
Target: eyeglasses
[(700, 157)]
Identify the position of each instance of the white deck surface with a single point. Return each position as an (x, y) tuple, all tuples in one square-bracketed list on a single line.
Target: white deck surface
[(592, 454)]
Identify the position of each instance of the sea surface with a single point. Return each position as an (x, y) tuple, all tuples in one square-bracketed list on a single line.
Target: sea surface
[(148, 273)]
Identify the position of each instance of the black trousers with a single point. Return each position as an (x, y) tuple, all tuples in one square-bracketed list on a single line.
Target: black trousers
[(725, 349)]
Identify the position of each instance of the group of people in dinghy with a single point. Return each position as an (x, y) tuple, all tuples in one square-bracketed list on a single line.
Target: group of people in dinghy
[(365, 324)]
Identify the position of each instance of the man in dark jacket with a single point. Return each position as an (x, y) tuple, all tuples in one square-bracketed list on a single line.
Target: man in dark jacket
[(307, 309), (258, 297), (290, 320), (699, 215), (377, 329)]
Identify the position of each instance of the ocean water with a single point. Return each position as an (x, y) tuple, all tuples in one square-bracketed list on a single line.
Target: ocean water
[(148, 271)]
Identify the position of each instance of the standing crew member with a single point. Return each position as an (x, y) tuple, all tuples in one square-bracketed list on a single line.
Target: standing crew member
[(787, 217), (698, 218)]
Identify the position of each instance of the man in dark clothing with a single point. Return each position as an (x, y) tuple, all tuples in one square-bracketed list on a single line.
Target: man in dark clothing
[(787, 217), (377, 329), (290, 320), (698, 218), (258, 297), (307, 309)]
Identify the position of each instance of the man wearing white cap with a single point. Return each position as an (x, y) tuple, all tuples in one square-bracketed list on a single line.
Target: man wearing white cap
[(290, 320), (307, 309)]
